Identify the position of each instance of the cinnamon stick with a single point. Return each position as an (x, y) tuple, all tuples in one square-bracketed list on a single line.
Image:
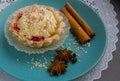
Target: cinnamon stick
[(76, 28), (79, 19)]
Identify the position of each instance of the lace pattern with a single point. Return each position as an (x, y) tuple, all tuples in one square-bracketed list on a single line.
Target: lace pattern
[(106, 11)]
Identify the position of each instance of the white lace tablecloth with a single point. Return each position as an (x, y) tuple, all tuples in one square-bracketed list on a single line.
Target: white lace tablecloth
[(106, 11)]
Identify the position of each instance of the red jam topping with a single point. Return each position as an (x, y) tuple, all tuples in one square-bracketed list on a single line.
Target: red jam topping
[(16, 27), (37, 38)]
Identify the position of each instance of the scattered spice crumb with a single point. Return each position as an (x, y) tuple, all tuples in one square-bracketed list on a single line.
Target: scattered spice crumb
[(46, 67), (78, 55), (32, 59), (62, 46), (38, 63), (77, 46), (78, 60), (52, 57), (46, 62), (69, 48), (32, 67), (27, 62), (45, 58), (17, 59), (87, 44)]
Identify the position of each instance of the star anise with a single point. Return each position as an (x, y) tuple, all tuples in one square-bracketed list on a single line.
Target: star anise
[(63, 55), (59, 65), (57, 68)]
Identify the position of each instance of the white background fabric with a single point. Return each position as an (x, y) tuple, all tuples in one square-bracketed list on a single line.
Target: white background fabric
[(106, 11)]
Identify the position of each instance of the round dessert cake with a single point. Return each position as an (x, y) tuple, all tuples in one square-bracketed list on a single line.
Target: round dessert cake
[(37, 26)]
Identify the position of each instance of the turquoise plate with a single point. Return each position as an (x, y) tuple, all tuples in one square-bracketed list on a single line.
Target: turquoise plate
[(18, 64)]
